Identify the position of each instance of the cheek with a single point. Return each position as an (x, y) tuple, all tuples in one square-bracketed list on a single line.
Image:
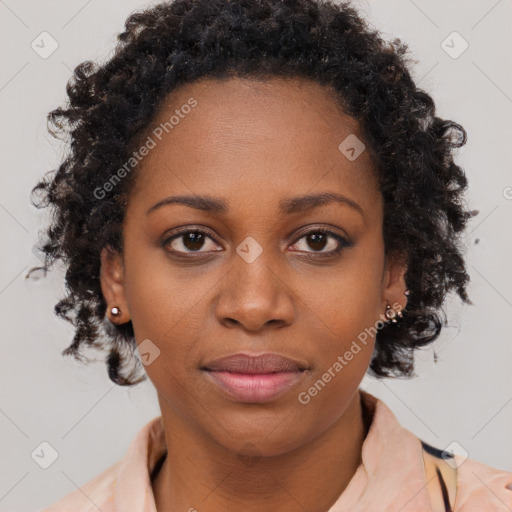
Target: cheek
[(347, 299), (163, 306), (163, 298), (343, 315)]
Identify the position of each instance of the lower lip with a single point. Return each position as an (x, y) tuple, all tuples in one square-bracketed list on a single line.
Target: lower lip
[(254, 387)]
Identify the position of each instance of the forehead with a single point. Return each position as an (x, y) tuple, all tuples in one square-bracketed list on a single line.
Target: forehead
[(250, 137)]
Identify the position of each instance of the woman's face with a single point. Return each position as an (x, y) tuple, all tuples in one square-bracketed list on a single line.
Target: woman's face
[(254, 275)]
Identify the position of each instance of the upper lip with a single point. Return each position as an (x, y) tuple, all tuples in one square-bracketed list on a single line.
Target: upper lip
[(247, 363)]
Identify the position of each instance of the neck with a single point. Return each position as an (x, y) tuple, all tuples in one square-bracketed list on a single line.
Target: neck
[(200, 474)]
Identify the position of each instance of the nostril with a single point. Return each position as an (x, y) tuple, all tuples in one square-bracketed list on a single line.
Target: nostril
[(509, 486)]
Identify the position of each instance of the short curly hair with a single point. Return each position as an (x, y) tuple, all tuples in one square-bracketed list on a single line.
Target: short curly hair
[(110, 108)]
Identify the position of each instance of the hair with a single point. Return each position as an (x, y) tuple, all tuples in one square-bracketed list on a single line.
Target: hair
[(110, 107)]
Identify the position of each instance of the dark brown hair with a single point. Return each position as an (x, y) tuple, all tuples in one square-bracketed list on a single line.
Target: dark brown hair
[(110, 106)]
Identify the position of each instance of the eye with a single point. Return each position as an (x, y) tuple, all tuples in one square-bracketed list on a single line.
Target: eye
[(322, 241), (190, 241)]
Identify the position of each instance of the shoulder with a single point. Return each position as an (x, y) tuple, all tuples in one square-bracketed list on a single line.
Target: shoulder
[(124, 485), (481, 487), (475, 486), (99, 493)]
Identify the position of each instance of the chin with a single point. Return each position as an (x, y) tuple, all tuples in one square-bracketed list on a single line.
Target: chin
[(261, 434)]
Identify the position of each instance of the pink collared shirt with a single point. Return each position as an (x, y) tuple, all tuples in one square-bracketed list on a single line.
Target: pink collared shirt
[(391, 476)]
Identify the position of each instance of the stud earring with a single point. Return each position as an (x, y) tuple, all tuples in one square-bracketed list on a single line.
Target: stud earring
[(390, 314), (115, 311)]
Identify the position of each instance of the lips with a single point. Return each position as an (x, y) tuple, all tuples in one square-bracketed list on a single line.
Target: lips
[(245, 363), (248, 378)]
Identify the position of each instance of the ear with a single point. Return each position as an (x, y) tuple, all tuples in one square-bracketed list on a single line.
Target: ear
[(393, 281), (112, 285)]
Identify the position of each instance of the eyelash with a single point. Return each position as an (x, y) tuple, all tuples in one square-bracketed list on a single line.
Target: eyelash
[(342, 243)]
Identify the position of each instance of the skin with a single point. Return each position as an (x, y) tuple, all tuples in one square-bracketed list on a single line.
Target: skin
[(254, 144)]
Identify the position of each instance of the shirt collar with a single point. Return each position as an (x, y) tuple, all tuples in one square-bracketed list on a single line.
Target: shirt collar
[(133, 490), (391, 475)]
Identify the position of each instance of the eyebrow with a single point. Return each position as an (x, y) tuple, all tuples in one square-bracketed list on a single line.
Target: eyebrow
[(287, 206)]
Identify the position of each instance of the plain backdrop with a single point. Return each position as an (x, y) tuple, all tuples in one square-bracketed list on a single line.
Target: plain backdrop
[(466, 397)]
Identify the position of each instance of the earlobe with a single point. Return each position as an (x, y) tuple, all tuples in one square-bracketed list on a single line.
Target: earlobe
[(112, 286)]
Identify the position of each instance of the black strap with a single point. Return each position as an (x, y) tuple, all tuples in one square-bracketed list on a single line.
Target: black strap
[(436, 458), (444, 491)]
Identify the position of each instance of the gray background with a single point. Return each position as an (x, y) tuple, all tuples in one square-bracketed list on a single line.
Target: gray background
[(466, 397)]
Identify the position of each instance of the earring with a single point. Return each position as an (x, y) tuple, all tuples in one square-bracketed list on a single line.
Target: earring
[(390, 314), (407, 292), (115, 311)]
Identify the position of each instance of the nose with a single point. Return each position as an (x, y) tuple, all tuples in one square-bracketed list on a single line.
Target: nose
[(255, 295)]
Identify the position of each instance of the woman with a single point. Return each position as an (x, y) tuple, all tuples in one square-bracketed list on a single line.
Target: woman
[(261, 206)]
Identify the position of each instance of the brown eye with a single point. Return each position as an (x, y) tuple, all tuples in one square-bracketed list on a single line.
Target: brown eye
[(190, 241), (321, 241)]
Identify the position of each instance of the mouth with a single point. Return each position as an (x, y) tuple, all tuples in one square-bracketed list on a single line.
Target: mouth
[(248, 378)]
